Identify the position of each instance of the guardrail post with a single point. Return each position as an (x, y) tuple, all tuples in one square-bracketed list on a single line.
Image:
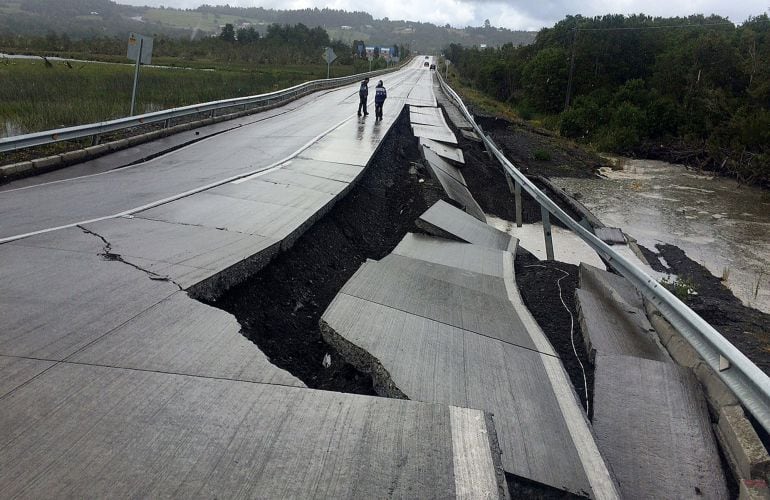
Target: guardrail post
[(517, 196), (546, 216), (95, 140), (167, 122)]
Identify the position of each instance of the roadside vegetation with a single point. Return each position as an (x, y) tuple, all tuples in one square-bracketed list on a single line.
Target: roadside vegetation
[(694, 90), (41, 95)]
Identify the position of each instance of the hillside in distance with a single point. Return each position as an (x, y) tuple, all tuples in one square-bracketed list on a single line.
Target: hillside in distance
[(89, 18)]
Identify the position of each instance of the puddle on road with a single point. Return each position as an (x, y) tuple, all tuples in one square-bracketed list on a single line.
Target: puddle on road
[(718, 222)]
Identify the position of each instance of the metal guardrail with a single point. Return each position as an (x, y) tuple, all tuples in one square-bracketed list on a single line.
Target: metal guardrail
[(95, 130), (744, 378)]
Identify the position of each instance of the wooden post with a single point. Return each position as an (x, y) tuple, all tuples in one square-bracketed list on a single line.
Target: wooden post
[(546, 216)]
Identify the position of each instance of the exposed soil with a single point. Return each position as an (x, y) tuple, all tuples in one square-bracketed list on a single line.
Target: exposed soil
[(539, 152), (746, 328), (486, 181), (280, 306), (539, 283)]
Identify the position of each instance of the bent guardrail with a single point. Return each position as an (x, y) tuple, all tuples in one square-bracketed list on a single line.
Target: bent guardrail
[(750, 384), (95, 130)]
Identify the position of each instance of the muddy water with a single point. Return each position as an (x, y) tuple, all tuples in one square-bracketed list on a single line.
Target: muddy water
[(718, 222)]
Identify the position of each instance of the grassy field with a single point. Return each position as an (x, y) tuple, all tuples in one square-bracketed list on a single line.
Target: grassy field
[(192, 19), (34, 97)]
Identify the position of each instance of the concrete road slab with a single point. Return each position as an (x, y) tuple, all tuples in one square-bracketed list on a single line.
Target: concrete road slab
[(86, 431), (186, 254), (184, 336), (613, 328), (288, 195), (15, 372), (437, 162), (483, 283), (342, 172), (438, 300), (601, 282), (432, 361), (433, 119), (447, 221), (443, 150), (232, 214), (652, 426), (354, 142), (298, 179), (440, 134), (55, 302), (425, 111), (452, 253), (458, 193), (457, 118), (610, 235)]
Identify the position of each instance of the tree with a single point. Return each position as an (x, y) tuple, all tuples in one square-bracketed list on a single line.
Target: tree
[(228, 33), (377, 52)]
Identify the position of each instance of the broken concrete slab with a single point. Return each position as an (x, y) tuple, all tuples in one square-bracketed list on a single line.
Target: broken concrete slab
[(612, 328), (233, 214), (601, 282), (184, 336), (470, 135), (483, 283), (741, 444), (453, 183), (342, 172), (652, 426), (428, 360), (447, 221), (438, 300), (452, 253), (440, 134), (54, 302), (436, 161), (443, 150), (88, 431), (186, 254), (427, 116), (312, 182), (610, 235), (289, 195)]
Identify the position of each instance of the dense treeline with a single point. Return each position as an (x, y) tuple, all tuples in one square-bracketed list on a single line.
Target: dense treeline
[(694, 89), (278, 45)]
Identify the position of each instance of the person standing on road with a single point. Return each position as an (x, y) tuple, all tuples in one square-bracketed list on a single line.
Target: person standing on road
[(363, 95), (380, 94)]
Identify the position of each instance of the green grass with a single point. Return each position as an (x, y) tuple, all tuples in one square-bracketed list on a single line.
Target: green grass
[(34, 97), (190, 19)]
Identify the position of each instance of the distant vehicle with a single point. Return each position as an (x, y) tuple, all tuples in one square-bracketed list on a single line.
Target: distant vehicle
[(426, 64), (432, 66), (426, 57)]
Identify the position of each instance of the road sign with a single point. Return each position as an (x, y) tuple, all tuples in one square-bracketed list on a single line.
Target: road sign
[(329, 57), (139, 44)]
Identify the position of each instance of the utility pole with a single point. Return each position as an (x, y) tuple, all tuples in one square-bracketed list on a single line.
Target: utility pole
[(571, 69)]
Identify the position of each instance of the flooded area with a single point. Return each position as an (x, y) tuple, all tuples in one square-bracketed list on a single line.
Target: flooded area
[(718, 222)]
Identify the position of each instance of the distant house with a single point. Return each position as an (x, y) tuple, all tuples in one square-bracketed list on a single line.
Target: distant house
[(483, 46), (346, 27), (94, 13)]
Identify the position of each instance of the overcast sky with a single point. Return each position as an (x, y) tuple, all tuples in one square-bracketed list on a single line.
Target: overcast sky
[(513, 14)]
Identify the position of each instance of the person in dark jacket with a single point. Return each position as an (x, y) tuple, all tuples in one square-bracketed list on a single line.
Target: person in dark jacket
[(380, 94), (363, 94)]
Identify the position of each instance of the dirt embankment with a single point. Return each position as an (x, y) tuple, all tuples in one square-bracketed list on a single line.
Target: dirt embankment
[(279, 308)]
